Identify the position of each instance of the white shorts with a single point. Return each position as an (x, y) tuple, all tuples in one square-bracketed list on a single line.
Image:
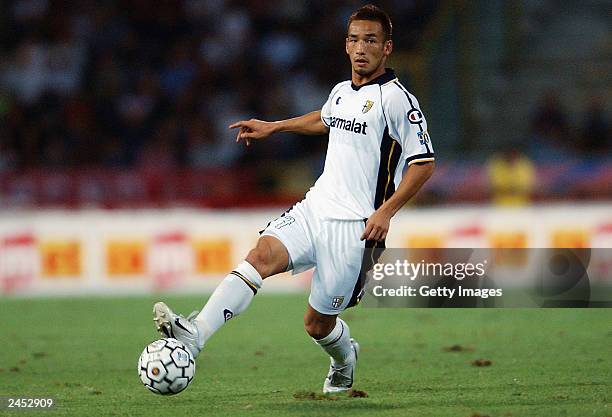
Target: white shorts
[(333, 247)]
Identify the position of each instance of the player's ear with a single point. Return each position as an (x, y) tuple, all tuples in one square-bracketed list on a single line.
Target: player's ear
[(346, 45), (388, 48)]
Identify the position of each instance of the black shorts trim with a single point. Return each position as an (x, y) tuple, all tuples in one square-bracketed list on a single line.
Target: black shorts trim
[(371, 254)]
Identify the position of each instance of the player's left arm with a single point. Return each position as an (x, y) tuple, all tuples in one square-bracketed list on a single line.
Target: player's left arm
[(416, 175), (408, 127)]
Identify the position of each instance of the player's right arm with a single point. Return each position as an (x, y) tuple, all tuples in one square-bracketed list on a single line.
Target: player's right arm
[(308, 124)]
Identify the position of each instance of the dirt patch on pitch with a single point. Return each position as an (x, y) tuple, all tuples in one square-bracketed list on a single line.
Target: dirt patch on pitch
[(314, 396), (356, 393), (482, 362), (458, 348), (310, 395)]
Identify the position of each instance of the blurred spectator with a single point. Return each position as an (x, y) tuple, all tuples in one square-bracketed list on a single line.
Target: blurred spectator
[(201, 152), (596, 132), (7, 154), (281, 48), (114, 153), (550, 135), (160, 151), (511, 178), (137, 106), (26, 73), (180, 70)]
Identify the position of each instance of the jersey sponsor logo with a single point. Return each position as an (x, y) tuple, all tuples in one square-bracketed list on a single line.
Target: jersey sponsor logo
[(367, 106), (338, 100), (337, 302), (284, 221), (350, 125), (415, 116), (423, 137), (227, 314)]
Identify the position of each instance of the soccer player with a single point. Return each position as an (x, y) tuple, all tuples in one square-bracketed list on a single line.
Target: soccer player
[(376, 129)]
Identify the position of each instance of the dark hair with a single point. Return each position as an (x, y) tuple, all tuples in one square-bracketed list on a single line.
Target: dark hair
[(374, 14)]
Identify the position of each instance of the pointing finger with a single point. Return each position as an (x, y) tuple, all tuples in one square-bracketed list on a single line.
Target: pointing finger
[(237, 124)]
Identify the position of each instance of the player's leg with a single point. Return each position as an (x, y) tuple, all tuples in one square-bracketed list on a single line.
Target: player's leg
[(284, 241), (333, 335), (231, 297), (236, 291), (333, 288), (329, 295)]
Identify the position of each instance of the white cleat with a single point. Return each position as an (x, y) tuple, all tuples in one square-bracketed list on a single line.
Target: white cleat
[(173, 325), (340, 379)]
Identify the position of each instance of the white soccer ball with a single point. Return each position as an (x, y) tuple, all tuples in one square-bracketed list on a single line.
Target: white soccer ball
[(166, 366)]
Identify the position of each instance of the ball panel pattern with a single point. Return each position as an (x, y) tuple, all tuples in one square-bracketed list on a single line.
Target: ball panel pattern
[(166, 367)]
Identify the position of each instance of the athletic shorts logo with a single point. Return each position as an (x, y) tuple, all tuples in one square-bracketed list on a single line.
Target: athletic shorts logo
[(367, 106), (227, 314), (415, 116), (337, 302), (284, 221)]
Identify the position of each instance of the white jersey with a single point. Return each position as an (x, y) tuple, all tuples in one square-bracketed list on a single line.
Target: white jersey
[(374, 130)]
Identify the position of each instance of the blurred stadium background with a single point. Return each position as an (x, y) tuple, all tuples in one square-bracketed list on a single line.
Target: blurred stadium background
[(118, 172)]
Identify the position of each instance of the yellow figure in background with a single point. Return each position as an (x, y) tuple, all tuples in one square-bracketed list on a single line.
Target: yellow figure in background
[(511, 178)]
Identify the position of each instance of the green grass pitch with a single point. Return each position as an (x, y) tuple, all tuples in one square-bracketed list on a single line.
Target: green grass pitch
[(83, 352)]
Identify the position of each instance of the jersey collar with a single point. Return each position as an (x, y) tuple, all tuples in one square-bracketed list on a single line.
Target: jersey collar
[(382, 79)]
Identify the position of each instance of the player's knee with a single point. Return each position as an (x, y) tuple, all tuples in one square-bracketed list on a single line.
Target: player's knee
[(317, 328), (260, 260)]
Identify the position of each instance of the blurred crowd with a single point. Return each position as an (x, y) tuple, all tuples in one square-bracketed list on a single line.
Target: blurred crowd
[(149, 86), (574, 145), (138, 83), (556, 135)]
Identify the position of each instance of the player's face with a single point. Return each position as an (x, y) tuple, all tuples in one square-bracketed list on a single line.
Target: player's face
[(366, 47)]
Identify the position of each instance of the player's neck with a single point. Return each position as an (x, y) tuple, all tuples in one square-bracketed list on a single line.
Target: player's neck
[(361, 79)]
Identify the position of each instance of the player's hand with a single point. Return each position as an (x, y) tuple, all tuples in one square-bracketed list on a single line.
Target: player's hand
[(252, 130), (377, 226)]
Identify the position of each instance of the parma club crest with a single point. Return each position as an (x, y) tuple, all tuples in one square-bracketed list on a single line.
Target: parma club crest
[(337, 302), (367, 106)]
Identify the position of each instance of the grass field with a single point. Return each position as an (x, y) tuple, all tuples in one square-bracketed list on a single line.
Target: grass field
[(83, 352)]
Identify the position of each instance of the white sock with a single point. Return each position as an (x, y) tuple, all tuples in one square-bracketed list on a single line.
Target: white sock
[(338, 343), (230, 298)]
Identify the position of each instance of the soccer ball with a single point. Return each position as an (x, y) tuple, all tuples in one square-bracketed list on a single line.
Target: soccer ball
[(166, 366)]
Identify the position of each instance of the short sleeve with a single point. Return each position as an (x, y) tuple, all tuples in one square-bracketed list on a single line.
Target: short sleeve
[(408, 126), (326, 110)]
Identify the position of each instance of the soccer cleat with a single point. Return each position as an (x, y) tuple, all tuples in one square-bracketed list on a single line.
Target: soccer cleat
[(340, 379), (178, 327)]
